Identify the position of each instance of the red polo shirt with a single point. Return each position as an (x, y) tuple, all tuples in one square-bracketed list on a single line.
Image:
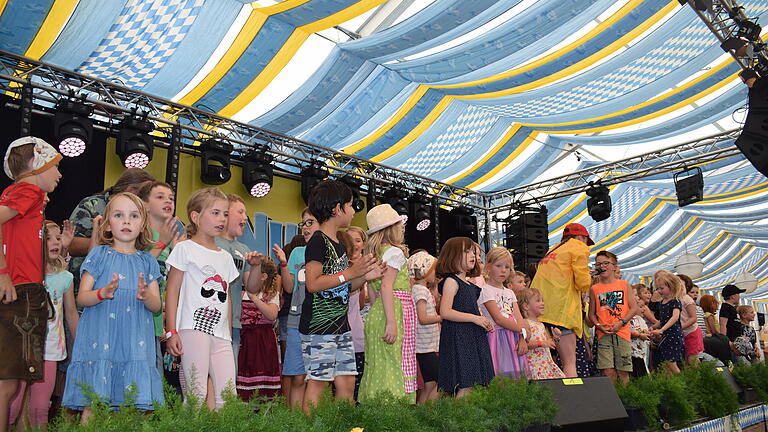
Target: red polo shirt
[(23, 234)]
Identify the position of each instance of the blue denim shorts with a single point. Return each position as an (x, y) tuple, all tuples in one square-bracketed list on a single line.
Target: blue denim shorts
[(563, 330), (293, 363), (328, 356)]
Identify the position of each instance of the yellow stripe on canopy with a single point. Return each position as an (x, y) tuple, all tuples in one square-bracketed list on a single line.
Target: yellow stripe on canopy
[(288, 50), (49, 30), (507, 160)]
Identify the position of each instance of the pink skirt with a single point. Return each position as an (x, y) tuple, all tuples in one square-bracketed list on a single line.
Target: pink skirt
[(506, 362), (694, 342)]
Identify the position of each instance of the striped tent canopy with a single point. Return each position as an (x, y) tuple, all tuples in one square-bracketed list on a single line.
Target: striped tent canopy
[(485, 94)]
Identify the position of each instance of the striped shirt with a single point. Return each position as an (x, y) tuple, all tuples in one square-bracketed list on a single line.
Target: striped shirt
[(427, 336)]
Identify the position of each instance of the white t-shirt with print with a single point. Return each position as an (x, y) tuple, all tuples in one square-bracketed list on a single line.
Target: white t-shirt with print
[(204, 297), (505, 300)]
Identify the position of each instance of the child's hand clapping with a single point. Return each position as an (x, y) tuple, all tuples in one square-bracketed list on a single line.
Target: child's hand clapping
[(361, 266), (376, 272), (168, 230), (67, 233), (141, 294), (108, 292), (279, 254)]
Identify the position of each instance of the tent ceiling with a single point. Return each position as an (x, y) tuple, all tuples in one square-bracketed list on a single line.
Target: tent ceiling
[(485, 94)]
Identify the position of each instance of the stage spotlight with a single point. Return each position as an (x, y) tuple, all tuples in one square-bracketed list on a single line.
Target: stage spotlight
[(72, 127), (311, 175), (422, 216), (257, 172), (134, 144), (599, 202), (689, 185), (214, 162), (371, 198), (397, 197), (354, 183)]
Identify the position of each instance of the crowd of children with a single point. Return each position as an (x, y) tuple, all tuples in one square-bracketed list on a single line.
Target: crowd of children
[(194, 305)]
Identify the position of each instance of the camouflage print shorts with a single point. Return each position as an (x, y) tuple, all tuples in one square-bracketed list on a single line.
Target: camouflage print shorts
[(327, 356)]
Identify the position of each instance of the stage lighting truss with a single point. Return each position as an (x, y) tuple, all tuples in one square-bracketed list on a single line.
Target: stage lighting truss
[(422, 216), (72, 126), (354, 184), (311, 175), (599, 202), (134, 144), (397, 197), (257, 172), (215, 161), (689, 185)]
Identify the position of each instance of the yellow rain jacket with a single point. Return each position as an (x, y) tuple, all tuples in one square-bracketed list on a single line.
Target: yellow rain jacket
[(562, 277)]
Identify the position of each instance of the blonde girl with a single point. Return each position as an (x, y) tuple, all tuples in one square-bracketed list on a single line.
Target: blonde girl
[(357, 300), (390, 327), (198, 303), (499, 305), (258, 362), (669, 331), (115, 345), (540, 363)]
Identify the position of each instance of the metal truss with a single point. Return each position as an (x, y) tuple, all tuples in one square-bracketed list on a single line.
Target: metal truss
[(657, 162), (727, 21), (113, 102)]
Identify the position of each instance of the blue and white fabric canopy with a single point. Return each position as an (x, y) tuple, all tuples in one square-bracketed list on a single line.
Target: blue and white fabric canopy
[(486, 94)]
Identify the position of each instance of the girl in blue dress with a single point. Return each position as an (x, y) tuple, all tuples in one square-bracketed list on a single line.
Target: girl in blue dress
[(114, 351), (668, 332)]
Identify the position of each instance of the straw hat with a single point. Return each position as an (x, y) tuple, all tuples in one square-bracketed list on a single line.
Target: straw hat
[(382, 216)]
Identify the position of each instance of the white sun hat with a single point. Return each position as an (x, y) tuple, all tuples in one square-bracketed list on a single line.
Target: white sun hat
[(382, 216)]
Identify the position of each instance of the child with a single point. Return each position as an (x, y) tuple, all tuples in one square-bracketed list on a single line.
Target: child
[(709, 305), (228, 242), (728, 315), (538, 357), (357, 299), (197, 315), (745, 345), (115, 345), (499, 305), (34, 166), (517, 282), (639, 333), (421, 266), (293, 280), (465, 357), (58, 283), (259, 361), (611, 306), (693, 338), (326, 339), (390, 327), (669, 331)]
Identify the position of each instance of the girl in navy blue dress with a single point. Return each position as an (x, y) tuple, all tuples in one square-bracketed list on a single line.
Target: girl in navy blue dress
[(114, 351), (669, 331), (465, 356)]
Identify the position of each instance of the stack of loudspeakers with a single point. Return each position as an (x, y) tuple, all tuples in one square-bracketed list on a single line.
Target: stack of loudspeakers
[(527, 236), (753, 141)]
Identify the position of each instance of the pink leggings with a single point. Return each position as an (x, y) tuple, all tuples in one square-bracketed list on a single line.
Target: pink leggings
[(206, 355), (39, 397)]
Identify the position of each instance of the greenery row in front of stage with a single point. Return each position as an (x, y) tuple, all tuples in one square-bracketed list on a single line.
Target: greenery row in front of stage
[(697, 392), (504, 405)]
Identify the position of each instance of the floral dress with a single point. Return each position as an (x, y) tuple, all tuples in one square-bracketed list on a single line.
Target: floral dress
[(540, 363)]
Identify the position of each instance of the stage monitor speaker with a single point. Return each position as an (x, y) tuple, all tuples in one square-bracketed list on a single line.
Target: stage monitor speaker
[(586, 404), (753, 141), (726, 373)]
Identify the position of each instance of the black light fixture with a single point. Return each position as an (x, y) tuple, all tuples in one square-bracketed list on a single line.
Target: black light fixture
[(72, 126), (599, 202), (371, 198), (311, 175), (689, 185), (214, 162), (422, 216), (354, 184), (257, 172), (466, 223), (397, 197), (134, 144)]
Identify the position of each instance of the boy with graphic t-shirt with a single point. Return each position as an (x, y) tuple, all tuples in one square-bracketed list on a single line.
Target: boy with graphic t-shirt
[(34, 166), (326, 339), (611, 306)]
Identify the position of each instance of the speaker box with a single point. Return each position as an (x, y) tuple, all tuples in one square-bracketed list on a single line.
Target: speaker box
[(726, 373), (753, 141), (586, 404)]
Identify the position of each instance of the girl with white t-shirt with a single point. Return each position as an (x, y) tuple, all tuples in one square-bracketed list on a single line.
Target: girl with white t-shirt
[(58, 283), (499, 305), (198, 304), (421, 267)]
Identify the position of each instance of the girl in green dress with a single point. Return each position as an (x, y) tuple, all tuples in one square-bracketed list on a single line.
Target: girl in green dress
[(390, 327)]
